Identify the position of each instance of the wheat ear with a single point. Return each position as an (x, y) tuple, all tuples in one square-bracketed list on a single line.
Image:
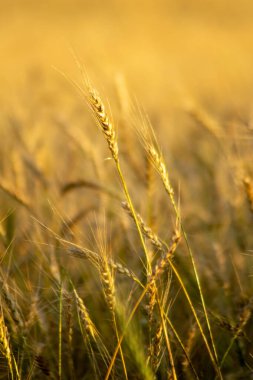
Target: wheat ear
[(107, 127), (104, 122), (147, 231), (160, 166), (6, 349)]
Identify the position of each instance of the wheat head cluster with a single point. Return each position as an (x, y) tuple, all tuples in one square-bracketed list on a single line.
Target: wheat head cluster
[(126, 190), (106, 271)]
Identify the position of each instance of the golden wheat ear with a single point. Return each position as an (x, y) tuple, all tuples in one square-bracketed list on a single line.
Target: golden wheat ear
[(6, 350), (104, 121)]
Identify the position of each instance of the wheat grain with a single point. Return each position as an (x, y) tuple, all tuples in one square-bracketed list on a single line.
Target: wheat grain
[(156, 242), (90, 328), (4, 344), (104, 121)]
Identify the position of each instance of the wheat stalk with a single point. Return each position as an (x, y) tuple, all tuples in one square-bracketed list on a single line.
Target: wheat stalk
[(147, 231), (160, 166), (108, 129), (69, 328), (245, 315), (109, 132)]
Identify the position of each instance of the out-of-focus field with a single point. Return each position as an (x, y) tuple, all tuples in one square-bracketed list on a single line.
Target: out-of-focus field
[(73, 261), (158, 45)]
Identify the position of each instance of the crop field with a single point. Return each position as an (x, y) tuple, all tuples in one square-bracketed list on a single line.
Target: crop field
[(126, 189)]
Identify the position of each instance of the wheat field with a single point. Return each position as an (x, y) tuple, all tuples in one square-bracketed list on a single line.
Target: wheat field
[(126, 189)]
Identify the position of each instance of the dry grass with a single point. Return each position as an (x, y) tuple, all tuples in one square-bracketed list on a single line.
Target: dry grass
[(126, 229)]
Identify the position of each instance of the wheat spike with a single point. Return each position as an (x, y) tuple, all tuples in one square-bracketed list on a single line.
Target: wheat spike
[(156, 242), (11, 304), (163, 262), (90, 328), (104, 121), (4, 344), (156, 348), (160, 166)]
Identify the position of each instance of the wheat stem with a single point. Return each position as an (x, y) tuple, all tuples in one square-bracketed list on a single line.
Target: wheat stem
[(160, 166)]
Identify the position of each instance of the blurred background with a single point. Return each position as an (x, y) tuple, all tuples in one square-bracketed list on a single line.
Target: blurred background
[(160, 46)]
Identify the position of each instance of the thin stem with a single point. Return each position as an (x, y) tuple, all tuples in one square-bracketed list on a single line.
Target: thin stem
[(174, 374), (215, 358), (124, 332), (181, 344), (160, 166), (133, 214), (194, 313), (121, 352)]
